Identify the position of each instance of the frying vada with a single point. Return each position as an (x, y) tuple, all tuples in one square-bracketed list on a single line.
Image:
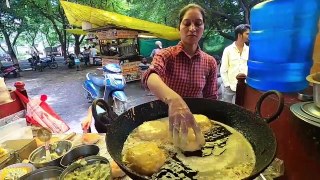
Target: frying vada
[(192, 144), (203, 122), (159, 129), (153, 130), (145, 158)]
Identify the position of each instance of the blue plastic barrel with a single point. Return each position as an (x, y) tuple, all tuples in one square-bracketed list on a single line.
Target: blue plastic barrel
[(282, 37)]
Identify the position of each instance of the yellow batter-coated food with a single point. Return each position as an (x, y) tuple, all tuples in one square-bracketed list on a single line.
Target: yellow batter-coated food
[(153, 130), (159, 130), (145, 158), (2, 152), (203, 122), (116, 171)]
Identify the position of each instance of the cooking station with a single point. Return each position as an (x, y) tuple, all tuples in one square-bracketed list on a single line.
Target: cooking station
[(297, 130)]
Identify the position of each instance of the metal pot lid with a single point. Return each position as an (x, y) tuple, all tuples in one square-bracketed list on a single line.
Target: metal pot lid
[(311, 109), (297, 111)]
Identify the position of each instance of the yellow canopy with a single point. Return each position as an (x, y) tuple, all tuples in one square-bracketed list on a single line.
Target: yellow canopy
[(77, 31), (76, 14)]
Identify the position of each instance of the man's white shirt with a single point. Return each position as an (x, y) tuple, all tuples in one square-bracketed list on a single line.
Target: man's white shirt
[(93, 52), (232, 64)]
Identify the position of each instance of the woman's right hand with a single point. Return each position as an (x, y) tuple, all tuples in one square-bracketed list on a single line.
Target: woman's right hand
[(180, 120), (86, 122)]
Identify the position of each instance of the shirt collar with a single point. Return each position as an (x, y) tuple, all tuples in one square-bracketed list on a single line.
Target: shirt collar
[(245, 47), (180, 50)]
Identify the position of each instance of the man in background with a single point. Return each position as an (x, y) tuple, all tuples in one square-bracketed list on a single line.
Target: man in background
[(93, 51), (234, 62), (157, 49), (86, 54)]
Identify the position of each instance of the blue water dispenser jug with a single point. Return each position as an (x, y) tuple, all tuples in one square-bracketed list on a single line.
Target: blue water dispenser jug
[(281, 44)]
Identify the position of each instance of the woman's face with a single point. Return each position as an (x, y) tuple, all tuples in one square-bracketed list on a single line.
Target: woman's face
[(191, 27)]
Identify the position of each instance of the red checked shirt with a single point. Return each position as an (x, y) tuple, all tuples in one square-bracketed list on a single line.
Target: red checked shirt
[(194, 76)]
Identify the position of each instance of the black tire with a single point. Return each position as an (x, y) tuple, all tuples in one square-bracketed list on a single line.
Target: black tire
[(70, 66), (40, 68), (110, 101), (15, 74), (53, 65), (89, 97)]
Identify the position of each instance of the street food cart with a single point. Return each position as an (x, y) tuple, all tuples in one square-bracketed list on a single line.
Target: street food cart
[(120, 46), (118, 31)]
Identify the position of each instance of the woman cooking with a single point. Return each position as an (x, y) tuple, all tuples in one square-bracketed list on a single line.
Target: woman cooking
[(183, 71)]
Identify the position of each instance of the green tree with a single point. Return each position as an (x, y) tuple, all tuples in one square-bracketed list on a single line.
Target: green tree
[(118, 6), (12, 24), (49, 34), (53, 12), (222, 15), (31, 32)]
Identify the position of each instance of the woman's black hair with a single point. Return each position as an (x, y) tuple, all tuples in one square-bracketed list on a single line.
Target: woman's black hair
[(184, 10)]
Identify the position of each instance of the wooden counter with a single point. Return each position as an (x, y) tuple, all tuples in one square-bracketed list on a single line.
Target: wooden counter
[(298, 141)]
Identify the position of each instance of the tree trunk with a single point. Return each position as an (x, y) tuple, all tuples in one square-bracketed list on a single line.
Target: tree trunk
[(246, 10), (33, 39), (62, 37), (64, 32), (68, 44), (223, 34), (5, 51), (10, 48), (61, 33), (77, 44), (47, 39), (63, 49)]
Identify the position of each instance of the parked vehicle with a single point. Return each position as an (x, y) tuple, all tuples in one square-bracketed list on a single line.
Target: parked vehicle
[(109, 86), (71, 60), (143, 67), (34, 62), (39, 64), (5, 57), (52, 51), (9, 71), (97, 61)]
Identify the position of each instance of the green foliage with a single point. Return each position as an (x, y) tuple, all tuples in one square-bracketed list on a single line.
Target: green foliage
[(44, 20), (11, 19), (222, 15), (118, 6), (214, 44), (51, 36)]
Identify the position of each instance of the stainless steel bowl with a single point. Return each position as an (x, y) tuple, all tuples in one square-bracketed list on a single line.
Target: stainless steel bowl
[(61, 149), (89, 159), (316, 94), (79, 152), (302, 96), (46, 173), (315, 80)]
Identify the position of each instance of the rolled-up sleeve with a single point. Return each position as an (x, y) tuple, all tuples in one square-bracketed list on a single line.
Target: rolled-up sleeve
[(158, 66), (210, 90)]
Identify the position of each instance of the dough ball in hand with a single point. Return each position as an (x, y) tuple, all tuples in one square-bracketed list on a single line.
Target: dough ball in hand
[(145, 158), (191, 142), (203, 122)]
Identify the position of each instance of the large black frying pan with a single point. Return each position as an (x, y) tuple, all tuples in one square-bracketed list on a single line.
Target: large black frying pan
[(251, 125)]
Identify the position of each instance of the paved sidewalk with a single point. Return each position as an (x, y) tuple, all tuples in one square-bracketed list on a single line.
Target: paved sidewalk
[(65, 93)]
